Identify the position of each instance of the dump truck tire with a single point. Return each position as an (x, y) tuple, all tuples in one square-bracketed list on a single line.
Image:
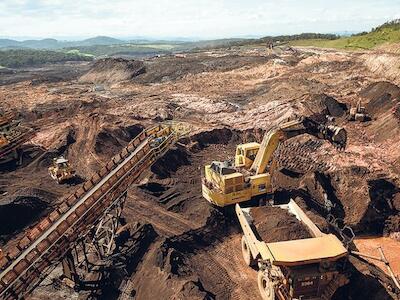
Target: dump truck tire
[(265, 286), (247, 256)]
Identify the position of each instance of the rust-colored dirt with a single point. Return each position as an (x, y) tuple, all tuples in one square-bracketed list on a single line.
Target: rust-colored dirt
[(229, 96), (390, 249), (276, 225)]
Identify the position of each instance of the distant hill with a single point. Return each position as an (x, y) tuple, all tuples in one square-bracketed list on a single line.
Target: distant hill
[(56, 44), (17, 58), (387, 33), (99, 40)]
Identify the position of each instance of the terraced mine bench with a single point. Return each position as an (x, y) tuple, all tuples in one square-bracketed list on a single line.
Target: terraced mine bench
[(23, 266)]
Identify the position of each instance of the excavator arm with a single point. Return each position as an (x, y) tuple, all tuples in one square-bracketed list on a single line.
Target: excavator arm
[(334, 134)]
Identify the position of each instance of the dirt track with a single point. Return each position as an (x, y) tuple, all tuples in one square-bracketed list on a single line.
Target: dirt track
[(229, 96)]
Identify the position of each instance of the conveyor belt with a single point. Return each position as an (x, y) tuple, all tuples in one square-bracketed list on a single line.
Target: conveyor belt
[(26, 264)]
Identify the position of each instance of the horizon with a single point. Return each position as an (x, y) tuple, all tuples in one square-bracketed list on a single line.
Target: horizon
[(188, 19), (149, 38), (152, 38)]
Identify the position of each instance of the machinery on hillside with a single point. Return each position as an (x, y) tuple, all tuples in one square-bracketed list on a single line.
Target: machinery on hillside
[(12, 136), (312, 268), (61, 170), (225, 183), (358, 113)]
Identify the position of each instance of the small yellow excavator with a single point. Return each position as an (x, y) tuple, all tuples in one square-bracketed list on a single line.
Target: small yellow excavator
[(358, 113), (61, 170), (225, 183)]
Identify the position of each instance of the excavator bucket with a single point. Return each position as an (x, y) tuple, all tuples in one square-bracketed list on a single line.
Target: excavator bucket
[(337, 136)]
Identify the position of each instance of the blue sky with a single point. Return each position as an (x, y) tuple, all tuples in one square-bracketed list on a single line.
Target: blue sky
[(189, 18)]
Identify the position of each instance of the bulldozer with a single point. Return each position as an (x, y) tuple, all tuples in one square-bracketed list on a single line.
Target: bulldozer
[(249, 176), (61, 170), (358, 113)]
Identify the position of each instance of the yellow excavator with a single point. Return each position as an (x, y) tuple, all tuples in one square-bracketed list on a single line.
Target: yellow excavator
[(226, 183)]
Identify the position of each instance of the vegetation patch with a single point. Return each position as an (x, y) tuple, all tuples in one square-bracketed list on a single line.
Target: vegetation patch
[(25, 58), (387, 33)]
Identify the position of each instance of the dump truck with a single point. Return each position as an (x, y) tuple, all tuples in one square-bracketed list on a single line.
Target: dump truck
[(226, 183), (61, 170), (311, 268)]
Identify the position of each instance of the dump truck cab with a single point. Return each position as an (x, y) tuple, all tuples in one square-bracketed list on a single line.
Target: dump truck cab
[(61, 170), (311, 268)]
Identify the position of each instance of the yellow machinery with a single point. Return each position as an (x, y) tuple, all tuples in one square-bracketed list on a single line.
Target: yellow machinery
[(61, 170), (312, 268), (12, 136), (358, 113), (225, 183)]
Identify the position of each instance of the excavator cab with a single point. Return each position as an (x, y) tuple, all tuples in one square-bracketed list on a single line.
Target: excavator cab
[(245, 154)]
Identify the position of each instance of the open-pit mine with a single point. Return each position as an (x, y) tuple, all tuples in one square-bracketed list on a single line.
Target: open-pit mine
[(188, 177)]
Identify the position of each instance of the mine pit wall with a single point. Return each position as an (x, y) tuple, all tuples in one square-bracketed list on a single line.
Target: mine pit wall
[(363, 201), (364, 204), (21, 210), (175, 255), (20, 213), (132, 245)]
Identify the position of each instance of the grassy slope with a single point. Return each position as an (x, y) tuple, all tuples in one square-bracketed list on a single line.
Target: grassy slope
[(29, 57), (390, 34)]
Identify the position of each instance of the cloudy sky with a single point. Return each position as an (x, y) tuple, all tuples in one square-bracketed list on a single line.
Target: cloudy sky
[(189, 18)]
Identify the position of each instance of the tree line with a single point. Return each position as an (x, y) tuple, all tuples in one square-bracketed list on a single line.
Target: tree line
[(27, 57)]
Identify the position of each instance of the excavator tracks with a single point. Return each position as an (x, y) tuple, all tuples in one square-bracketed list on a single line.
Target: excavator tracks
[(24, 266)]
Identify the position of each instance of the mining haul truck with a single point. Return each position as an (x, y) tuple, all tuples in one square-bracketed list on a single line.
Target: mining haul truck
[(312, 268)]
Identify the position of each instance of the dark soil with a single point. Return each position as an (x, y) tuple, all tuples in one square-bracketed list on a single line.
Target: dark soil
[(20, 213), (109, 70), (392, 225), (329, 105), (382, 96), (274, 224), (170, 68), (44, 74), (110, 141)]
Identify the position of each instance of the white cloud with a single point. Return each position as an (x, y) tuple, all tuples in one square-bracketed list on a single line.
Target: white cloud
[(201, 18)]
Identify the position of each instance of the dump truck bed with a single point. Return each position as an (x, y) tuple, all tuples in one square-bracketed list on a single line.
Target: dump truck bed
[(295, 252), (306, 251)]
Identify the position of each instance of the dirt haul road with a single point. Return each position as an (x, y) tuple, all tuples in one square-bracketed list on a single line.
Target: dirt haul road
[(191, 250)]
